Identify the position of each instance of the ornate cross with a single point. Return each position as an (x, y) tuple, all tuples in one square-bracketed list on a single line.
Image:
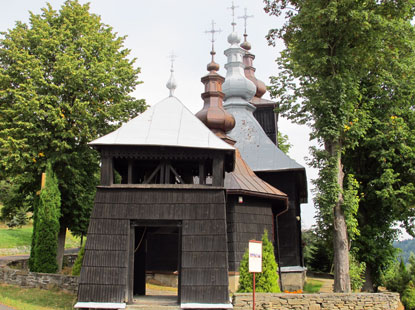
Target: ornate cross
[(245, 17), (213, 31), (233, 7), (172, 57)]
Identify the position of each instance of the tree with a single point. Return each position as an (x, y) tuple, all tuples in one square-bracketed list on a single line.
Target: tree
[(267, 280), (331, 48), (283, 143), (47, 226), (65, 79)]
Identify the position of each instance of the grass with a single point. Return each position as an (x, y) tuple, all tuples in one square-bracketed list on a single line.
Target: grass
[(35, 299), (312, 286), (18, 240)]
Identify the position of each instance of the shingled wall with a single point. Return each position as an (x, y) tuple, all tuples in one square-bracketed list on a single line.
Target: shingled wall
[(204, 267)]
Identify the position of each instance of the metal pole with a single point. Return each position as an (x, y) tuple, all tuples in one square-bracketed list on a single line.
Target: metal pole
[(253, 305)]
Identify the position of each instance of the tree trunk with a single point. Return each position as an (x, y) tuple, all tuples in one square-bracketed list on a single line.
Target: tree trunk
[(61, 246), (340, 237), (368, 286)]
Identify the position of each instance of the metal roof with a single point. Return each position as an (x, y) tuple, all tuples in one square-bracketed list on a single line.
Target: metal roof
[(259, 152), (167, 123), (244, 181)]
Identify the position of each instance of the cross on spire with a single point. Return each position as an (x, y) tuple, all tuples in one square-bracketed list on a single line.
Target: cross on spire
[(171, 83), (172, 58), (233, 7), (245, 17), (213, 31)]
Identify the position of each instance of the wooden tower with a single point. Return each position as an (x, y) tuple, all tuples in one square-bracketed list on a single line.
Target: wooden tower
[(161, 204)]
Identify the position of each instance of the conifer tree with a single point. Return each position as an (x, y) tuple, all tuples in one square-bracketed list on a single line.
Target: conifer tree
[(47, 226), (267, 280)]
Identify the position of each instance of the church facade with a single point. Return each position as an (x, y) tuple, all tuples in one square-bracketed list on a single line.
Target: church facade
[(183, 194)]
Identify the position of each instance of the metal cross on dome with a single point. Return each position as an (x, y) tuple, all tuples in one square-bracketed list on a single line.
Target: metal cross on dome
[(172, 58), (213, 31), (233, 7), (245, 17)]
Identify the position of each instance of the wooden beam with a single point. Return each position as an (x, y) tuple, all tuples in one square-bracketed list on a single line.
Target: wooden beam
[(217, 170), (107, 173), (130, 279), (202, 173), (130, 172)]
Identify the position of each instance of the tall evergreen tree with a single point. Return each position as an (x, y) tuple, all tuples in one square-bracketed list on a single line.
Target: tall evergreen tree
[(65, 79), (47, 225), (332, 47)]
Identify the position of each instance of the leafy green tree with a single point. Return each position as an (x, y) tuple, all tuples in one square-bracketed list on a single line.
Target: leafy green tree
[(267, 280), (47, 226), (65, 79), (332, 48), (283, 143)]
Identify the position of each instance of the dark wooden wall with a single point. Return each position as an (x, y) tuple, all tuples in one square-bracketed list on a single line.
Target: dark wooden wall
[(246, 221), (266, 117), (288, 227), (204, 252)]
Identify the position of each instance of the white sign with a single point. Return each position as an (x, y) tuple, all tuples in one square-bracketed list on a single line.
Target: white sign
[(255, 256)]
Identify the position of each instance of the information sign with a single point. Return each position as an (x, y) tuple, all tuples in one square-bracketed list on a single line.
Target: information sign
[(255, 256)]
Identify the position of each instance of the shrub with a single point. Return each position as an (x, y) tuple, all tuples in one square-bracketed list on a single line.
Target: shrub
[(267, 281), (356, 272), (76, 269), (47, 226)]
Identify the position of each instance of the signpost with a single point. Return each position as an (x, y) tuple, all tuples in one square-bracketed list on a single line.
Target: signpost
[(255, 262)]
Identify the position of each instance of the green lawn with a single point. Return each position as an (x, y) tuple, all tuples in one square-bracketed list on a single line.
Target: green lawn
[(18, 240), (312, 286), (35, 299)]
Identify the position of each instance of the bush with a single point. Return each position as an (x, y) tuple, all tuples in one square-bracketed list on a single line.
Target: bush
[(267, 281), (356, 272), (47, 226), (408, 296), (76, 269)]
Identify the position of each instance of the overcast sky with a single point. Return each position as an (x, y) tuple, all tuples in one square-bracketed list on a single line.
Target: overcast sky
[(155, 28)]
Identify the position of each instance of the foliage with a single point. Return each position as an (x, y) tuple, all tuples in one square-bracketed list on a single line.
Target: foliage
[(47, 226), (76, 269), (35, 299), (357, 273), (406, 247), (19, 218), (283, 143), (318, 251), (348, 72), (267, 281), (65, 79), (399, 278)]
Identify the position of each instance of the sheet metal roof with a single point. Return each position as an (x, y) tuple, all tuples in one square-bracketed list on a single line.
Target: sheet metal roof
[(167, 123), (244, 181), (259, 152)]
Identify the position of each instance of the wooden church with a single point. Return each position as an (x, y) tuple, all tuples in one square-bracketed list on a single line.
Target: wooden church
[(178, 195)]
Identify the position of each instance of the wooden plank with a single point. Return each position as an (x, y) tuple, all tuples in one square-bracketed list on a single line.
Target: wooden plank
[(101, 293), (205, 294), (203, 259), (204, 243), (130, 279), (106, 242), (108, 227), (203, 227), (205, 276), (99, 258), (107, 177), (217, 170)]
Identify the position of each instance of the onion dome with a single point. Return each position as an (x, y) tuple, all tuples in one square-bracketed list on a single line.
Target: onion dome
[(171, 83), (213, 115), (261, 89), (237, 88)]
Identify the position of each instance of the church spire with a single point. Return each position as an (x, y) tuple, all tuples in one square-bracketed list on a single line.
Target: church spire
[(245, 44), (171, 83), (237, 88), (213, 115)]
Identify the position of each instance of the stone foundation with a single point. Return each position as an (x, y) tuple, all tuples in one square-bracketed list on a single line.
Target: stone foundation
[(333, 301)]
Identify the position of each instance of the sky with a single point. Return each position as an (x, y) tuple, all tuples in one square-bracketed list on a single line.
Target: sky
[(155, 29)]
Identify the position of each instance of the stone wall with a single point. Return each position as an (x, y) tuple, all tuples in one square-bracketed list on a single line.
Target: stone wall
[(25, 278), (334, 301)]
